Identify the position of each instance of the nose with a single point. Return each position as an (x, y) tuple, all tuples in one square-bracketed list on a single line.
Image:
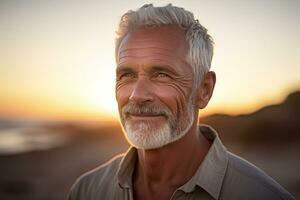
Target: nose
[(142, 92)]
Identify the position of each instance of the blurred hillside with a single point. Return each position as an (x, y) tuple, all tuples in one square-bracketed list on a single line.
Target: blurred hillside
[(270, 126), (54, 154)]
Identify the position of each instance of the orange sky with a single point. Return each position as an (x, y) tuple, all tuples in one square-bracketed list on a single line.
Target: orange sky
[(57, 58)]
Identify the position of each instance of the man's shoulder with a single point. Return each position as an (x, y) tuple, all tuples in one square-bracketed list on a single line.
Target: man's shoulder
[(105, 170), (249, 182), (96, 181)]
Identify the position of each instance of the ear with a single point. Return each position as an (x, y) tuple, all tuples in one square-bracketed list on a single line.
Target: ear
[(206, 89)]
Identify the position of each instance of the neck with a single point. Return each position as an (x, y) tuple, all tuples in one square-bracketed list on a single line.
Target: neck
[(174, 164)]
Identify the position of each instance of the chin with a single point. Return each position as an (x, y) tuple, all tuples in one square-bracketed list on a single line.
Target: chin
[(146, 137)]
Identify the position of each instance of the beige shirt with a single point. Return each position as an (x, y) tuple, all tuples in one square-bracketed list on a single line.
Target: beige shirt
[(221, 175)]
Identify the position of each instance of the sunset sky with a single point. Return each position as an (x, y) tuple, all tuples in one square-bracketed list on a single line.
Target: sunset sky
[(57, 56)]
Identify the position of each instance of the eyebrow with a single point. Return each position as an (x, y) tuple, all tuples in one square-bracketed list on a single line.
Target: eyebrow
[(154, 68), (123, 68)]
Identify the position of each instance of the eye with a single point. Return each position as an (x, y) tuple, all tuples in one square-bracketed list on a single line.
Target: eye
[(125, 76), (161, 75)]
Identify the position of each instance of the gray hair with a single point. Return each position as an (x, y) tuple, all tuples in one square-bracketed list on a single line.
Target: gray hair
[(200, 43)]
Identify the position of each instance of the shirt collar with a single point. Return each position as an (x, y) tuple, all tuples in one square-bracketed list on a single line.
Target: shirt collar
[(211, 172), (209, 176), (126, 168)]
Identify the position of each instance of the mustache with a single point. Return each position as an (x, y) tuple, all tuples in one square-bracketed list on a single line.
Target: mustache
[(146, 109)]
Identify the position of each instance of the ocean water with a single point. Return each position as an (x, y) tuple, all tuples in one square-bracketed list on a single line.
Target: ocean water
[(25, 139)]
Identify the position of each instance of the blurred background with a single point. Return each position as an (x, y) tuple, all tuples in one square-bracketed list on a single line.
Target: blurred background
[(58, 115)]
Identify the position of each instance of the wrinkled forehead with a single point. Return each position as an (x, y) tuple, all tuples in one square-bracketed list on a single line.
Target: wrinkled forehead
[(167, 37)]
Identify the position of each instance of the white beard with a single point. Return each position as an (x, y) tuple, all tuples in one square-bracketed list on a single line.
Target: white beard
[(145, 135)]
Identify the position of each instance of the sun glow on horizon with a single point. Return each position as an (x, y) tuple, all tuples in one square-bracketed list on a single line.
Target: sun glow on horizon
[(92, 109)]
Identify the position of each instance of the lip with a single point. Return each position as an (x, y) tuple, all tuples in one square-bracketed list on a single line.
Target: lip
[(146, 117)]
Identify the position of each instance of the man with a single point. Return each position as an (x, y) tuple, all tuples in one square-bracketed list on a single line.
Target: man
[(163, 58)]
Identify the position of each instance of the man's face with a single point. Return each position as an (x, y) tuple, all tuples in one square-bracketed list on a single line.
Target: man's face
[(154, 87)]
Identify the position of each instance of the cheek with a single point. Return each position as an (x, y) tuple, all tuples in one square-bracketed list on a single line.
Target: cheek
[(172, 97), (122, 95)]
